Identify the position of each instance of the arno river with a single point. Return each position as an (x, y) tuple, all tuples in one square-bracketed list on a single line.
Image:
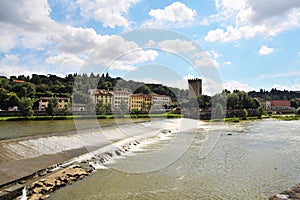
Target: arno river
[(248, 160)]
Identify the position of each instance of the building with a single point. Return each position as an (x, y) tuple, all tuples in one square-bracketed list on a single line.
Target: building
[(140, 101), (98, 95), (280, 104), (159, 101), (78, 107), (195, 87), (18, 81), (267, 105), (44, 101), (118, 97)]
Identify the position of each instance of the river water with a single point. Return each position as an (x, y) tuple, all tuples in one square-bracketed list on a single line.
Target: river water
[(246, 160)]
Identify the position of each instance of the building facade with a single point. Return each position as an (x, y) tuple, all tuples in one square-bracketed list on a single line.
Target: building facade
[(44, 101), (118, 97), (195, 87), (98, 95), (140, 101), (280, 104), (159, 101)]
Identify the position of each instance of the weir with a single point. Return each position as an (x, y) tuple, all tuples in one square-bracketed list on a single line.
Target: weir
[(89, 160)]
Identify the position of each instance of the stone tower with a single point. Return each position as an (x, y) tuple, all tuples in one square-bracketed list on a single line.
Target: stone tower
[(195, 87)]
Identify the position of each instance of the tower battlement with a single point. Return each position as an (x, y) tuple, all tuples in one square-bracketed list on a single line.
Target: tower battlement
[(195, 87)]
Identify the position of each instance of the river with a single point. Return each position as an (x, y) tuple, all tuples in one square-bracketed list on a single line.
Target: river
[(177, 159), (249, 160)]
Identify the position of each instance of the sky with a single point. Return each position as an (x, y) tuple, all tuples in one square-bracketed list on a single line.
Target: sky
[(232, 44)]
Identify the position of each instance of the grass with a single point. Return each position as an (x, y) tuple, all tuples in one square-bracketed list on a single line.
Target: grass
[(286, 117), (71, 117)]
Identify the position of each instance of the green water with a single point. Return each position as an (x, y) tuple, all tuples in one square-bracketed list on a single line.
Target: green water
[(251, 160)]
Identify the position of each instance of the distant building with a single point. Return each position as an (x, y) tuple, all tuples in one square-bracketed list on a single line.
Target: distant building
[(118, 97), (195, 87), (159, 101), (280, 104), (18, 81), (78, 107), (267, 105), (98, 95), (44, 101), (14, 108), (138, 101)]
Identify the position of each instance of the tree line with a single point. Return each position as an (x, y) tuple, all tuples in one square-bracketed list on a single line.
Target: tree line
[(25, 91)]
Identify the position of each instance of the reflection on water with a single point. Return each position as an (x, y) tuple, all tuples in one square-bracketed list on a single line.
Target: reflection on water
[(251, 160)]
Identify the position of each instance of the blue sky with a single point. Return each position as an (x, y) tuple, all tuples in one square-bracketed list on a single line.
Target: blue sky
[(240, 44)]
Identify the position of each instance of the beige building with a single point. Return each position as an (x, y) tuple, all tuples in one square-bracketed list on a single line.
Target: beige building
[(118, 97), (44, 101), (159, 101)]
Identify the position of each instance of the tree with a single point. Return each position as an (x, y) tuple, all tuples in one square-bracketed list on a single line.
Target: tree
[(25, 106), (144, 89), (144, 107), (219, 111), (100, 108), (67, 110), (260, 111), (123, 107), (245, 114), (297, 112), (11, 100), (52, 108)]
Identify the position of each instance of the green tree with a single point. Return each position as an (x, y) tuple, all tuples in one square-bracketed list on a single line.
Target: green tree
[(219, 111), (297, 112), (100, 108), (260, 111), (144, 107), (52, 108), (67, 110), (123, 107), (11, 100), (25, 106), (144, 89), (245, 114)]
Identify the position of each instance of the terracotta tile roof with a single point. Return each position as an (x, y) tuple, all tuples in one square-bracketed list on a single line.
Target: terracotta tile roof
[(280, 103)]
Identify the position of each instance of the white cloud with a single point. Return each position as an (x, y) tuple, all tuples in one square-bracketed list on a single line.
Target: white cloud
[(293, 87), (26, 23), (264, 50), (287, 74), (30, 15), (111, 14), (10, 70), (10, 57), (78, 40), (7, 43), (249, 18), (65, 60), (206, 59), (177, 45), (176, 13), (118, 53), (236, 85), (228, 63)]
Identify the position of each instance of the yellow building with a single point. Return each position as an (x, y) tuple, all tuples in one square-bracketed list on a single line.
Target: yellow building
[(138, 101), (98, 95), (44, 101)]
